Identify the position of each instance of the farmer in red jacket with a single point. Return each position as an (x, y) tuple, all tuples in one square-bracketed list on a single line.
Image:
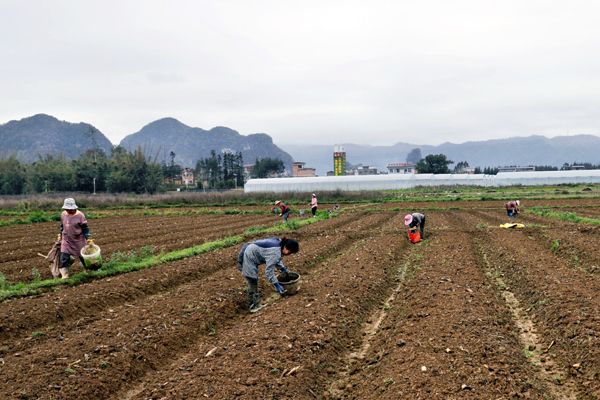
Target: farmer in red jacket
[(512, 208), (284, 210)]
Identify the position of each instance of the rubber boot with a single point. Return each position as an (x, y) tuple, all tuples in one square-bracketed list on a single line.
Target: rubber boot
[(64, 272), (253, 296)]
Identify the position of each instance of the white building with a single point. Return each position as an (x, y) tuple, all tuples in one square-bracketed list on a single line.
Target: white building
[(401, 168)]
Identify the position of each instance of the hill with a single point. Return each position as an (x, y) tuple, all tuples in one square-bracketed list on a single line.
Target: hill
[(189, 144), (40, 135), (531, 150)]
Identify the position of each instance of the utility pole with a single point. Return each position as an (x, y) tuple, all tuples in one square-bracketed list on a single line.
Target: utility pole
[(94, 185)]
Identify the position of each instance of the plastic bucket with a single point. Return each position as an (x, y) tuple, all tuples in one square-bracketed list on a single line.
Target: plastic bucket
[(92, 258), (414, 237), (290, 282)]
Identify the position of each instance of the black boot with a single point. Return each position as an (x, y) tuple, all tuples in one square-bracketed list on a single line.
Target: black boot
[(253, 295)]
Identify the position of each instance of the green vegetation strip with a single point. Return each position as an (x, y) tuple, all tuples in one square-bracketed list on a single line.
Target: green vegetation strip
[(41, 216), (120, 264), (563, 215)]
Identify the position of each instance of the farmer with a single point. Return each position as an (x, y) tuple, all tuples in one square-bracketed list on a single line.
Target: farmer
[(284, 210), (264, 251), (74, 234), (313, 204), (414, 220), (512, 208)]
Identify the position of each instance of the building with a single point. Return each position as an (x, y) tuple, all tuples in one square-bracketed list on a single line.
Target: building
[(339, 161), (402, 168), (364, 170), (298, 170), (516, 168), (187, 177)]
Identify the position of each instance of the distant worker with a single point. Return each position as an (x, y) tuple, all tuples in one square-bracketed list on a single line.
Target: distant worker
[(313, 204), (414, 221), (512, 208), (74, 235), (264, 251), (284, 210)]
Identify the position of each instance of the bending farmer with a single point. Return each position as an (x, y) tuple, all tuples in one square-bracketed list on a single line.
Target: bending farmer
[(512, 208), (74, 234), (414, 221), (265, 251), (285, 210)]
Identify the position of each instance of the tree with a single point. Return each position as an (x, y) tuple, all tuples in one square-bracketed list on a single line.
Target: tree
[(434, 164), (477, 171), (490, 171), (267, 166), (13, 176), (91, 171), (459, 168), (133, 172), (220, 172), (414, 156), (52, 174), (171, 171)]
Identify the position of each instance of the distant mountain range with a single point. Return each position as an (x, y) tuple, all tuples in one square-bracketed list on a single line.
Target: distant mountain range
[(531, 150), (40, 135), (189, 144)]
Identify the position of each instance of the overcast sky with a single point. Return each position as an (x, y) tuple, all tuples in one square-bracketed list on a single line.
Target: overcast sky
[(320, 72)]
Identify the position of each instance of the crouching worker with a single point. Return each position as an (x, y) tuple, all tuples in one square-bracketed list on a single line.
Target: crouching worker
[(512, 208), (74, 235), (414, 221), (265, 251)]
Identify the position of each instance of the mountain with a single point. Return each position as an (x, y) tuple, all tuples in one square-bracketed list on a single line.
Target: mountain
[(530, 150), (41, 134), (159, 138)]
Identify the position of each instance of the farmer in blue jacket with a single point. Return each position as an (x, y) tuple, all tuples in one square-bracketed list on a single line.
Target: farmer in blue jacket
[(264, 251)]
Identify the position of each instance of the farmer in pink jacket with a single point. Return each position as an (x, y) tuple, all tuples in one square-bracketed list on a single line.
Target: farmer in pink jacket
[(74, 235), (313, 204)]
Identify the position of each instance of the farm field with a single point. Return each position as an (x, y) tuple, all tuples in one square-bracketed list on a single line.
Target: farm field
[(473, 312)]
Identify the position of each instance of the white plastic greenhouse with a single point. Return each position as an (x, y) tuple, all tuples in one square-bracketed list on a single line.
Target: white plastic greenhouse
[(404, 181)]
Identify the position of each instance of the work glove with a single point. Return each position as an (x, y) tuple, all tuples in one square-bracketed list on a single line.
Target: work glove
[(90, 241), (279, 288)]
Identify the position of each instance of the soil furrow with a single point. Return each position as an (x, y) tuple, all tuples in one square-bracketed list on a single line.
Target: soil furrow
[(568, 320), (169, 322)]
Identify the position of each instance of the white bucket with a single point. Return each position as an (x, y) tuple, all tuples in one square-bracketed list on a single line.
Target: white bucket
[(91, 260)]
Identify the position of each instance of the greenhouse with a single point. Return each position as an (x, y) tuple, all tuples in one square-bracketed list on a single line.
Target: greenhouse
[(406, 181)]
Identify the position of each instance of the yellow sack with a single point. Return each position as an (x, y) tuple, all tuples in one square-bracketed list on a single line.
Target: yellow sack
[(512, 226)]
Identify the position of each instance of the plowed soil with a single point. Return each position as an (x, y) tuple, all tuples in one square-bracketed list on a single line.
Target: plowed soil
[(473, 312)]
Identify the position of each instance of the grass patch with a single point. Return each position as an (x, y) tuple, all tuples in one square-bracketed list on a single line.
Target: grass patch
[(567, 216)]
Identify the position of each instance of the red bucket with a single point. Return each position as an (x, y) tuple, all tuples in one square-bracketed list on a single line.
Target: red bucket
[(414, 237)]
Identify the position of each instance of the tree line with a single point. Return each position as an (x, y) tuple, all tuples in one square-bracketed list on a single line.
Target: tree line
[(125, 171)]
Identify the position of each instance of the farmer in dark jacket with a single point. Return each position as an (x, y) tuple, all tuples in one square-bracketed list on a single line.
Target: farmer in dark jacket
[(265, 251), (414, 221)]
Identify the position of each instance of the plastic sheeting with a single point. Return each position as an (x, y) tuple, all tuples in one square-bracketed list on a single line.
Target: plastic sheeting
[(401, 181)]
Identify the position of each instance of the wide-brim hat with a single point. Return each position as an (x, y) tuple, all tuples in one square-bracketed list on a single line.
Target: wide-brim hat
[(69, 204), (408, 218), (277, 202)]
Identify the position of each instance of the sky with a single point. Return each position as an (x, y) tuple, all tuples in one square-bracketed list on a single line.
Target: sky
[(308, 72)]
